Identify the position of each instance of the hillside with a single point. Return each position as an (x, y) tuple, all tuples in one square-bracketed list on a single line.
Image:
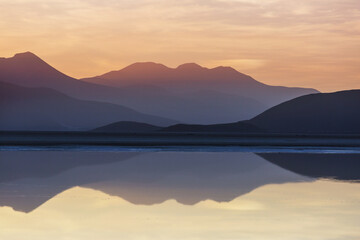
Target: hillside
[(325, 113), (25, 108), (127, 127)]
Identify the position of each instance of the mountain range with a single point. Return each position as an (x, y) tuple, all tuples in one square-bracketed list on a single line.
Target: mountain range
[(145, 97), (204, 96), (187, 94)]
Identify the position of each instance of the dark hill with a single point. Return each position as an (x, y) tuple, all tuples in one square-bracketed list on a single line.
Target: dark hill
[(127, 127), (323, 113)]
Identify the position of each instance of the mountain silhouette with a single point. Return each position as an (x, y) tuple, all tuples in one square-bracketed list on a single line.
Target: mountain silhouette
[(127, 127), (26, 69), (227, 93), (189, 93), (30, 178), (321, 113), (25, 108), (326, 113), (334, 166)]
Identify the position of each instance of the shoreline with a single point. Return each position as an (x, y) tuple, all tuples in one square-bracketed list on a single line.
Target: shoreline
[(175, 139)]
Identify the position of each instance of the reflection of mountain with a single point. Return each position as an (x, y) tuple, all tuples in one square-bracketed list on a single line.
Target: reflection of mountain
[(334, 166), (40, 164), (24, 175), (34, 177), (24, 108)]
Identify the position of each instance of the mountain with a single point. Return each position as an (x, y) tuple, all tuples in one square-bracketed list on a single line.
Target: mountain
[(191, 78), (43, 109), (226, 93), (127, 127), (189, 93), (323, 113), (27, 69)]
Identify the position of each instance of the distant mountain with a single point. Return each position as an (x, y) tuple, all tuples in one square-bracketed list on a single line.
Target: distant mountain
[(337, 112), (220, 94), (23, 108), (127, 127), (188, 93), (191, 78), (26, 69)]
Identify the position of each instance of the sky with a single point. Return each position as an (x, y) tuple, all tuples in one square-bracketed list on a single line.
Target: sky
[(308, 43)]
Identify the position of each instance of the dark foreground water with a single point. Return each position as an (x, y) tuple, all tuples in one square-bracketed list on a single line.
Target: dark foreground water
[(203, 193)]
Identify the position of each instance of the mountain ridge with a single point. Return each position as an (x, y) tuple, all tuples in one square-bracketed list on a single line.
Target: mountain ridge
[(200, 96)]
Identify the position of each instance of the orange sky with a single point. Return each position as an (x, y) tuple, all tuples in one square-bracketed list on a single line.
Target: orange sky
[(312, 43)]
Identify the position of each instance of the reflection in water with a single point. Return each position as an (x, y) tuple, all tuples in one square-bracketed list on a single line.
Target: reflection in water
[(26, 177), (119, 195), (145, 178), (334, 166)]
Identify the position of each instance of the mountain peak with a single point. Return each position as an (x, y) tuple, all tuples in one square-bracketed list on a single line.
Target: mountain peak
[(28, 58), (27, 69), (138, 70), (190, 66), (25, 55), (225, 68), (146, 66)]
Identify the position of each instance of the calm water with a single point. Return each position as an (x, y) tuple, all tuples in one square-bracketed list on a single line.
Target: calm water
[(81, 194)]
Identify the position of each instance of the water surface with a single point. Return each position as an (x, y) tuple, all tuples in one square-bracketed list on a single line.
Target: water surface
[(87, 194)]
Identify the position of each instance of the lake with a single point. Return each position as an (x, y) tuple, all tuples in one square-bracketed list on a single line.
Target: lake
[(179, 193)]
